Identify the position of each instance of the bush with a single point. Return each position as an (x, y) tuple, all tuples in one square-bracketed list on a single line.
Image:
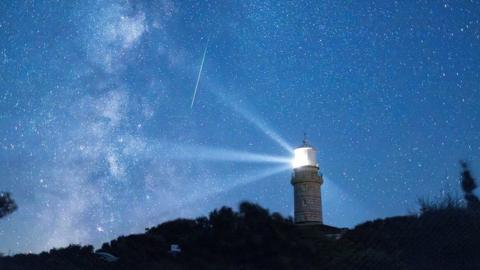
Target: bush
[(7, 204)]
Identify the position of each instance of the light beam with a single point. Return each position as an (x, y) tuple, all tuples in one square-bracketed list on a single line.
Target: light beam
[(207, 194), (253, 119), (192, 152), (254, 178)]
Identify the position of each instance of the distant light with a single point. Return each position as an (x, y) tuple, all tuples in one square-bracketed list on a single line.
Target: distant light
[(304, 156)]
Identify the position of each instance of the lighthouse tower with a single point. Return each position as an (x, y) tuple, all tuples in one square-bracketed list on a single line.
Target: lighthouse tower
[(306, 183)]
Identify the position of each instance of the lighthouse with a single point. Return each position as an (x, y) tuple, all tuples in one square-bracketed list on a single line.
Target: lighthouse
[(306, 182)]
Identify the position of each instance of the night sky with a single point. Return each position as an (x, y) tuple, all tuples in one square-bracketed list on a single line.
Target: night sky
[(98, 137)]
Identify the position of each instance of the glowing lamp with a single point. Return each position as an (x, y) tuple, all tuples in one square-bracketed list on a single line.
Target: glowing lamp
[(304, 156)]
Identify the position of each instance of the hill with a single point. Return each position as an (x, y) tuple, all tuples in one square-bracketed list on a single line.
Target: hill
[(252, 238)]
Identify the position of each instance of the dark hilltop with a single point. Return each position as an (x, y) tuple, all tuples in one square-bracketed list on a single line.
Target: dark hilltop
[(444, 235)]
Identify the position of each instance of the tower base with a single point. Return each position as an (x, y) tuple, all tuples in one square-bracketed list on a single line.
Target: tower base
[(317, 230)]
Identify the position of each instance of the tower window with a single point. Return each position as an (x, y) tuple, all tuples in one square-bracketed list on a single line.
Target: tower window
[(304, 202)]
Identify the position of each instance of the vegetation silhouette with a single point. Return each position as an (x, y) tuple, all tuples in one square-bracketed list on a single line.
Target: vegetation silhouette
[(468, 186), (7, 204), (443, 235)]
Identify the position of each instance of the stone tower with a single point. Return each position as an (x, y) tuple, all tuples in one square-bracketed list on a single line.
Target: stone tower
[(306, 183)]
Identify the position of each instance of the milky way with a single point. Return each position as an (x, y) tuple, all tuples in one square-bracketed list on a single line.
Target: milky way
[(98, 139)]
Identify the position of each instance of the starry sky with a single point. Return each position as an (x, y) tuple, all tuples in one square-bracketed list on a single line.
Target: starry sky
[(98, 137)]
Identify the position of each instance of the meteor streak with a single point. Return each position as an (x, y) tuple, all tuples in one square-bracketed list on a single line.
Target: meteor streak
[(199, 74)]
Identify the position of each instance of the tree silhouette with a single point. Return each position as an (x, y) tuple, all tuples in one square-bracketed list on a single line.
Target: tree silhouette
[(468, 186), (7, 204)]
